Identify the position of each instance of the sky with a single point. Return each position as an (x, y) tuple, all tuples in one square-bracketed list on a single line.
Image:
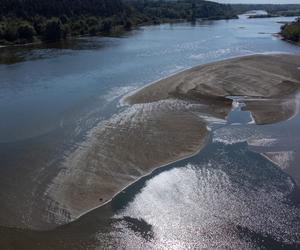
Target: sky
[(259, 1)]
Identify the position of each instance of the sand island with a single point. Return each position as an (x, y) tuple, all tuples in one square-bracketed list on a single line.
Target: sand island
[(166, 121)]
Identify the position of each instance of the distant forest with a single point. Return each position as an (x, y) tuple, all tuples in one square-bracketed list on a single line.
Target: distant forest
[(26, 21), (272, 9), (289, 31)]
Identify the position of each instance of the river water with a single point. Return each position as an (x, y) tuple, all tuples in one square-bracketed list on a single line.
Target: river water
[(229, 196)]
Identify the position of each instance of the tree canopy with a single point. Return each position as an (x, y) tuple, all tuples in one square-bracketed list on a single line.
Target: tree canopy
[(24, 21), (291, 31)]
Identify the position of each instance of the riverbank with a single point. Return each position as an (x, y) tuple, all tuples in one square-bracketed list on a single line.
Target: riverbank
[(167, 121), (27, 21), (117, 31)]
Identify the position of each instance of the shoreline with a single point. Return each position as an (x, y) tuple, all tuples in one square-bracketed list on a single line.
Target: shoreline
[(153, 113), (154, 155), (118, 33), (163, 122), (281, 37), (141, 177)]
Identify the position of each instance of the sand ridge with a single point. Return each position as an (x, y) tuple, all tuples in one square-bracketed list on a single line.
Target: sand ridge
[(167, 121)]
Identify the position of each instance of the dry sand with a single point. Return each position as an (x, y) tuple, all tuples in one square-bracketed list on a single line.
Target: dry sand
[(267, 76), (126, 147)]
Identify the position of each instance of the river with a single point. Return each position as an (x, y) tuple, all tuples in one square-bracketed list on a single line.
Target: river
[(233, 194)]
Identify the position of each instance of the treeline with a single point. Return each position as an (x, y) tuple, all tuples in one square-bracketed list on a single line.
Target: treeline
[(291, 31), (29, 8), (183, 9), (25, 21)]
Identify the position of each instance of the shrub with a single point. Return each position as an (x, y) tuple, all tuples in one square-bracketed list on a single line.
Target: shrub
[(54, 30), (10, 32), (127, 24), (39, 24), (92, 21), (106, 25), (26, 31), (291, 31)]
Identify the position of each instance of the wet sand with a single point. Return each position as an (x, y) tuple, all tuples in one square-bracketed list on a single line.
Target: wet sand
[(266, 76), (167, 121), (126, 147), (163, 122)]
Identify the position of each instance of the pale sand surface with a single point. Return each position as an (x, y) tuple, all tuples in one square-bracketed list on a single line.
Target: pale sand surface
[(282, 158), (272, 110), (127, 147), (267, 76), (167, 121)]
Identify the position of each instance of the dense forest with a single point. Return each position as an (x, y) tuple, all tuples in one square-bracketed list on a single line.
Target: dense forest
[(291, 31), (25, 21), (183, 9)]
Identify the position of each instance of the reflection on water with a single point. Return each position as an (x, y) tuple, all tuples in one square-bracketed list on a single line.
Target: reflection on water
[(219, 199), (17, 54), (225, 197)]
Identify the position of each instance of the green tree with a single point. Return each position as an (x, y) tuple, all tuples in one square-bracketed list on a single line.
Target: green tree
[(291, 31), (106, 25), (25, 20), (54, 30), (10, 32), (127, 24), (26, 31)]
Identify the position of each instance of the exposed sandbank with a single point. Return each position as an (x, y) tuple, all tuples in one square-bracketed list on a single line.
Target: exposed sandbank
[(268, 85), (267, 76), (128, 146), (167, 121)]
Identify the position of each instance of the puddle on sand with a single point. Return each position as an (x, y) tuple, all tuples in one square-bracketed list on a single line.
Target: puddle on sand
[(237, 116)]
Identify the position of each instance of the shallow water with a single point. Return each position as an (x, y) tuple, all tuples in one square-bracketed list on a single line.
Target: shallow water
[(52, 95)]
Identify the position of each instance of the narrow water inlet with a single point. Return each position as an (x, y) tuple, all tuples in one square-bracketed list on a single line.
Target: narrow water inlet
[(237, 115)]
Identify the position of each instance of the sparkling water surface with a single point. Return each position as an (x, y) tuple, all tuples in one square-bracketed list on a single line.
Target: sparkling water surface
[(228, 196)]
